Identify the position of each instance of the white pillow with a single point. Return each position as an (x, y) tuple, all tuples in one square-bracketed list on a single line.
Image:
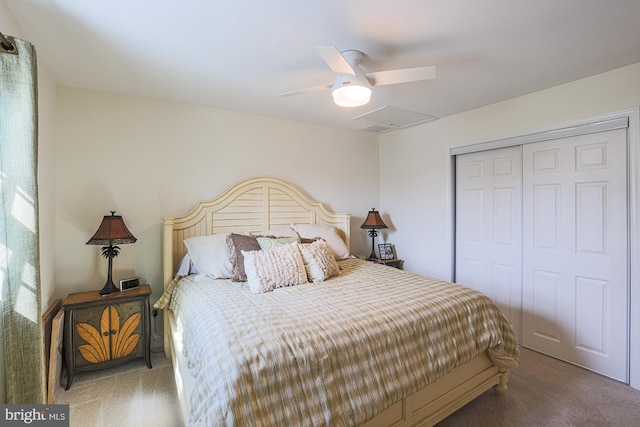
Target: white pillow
[(267, 270), (210, 255), (319, 261), (325, 232), (186, 267)]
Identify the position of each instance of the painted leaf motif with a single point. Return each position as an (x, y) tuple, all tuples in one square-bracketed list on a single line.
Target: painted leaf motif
[(122, 346), (95, 342), (90, 353), (121, 340), (129, 344)]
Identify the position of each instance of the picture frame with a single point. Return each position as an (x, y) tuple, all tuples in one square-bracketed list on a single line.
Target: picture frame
[(386, 251)]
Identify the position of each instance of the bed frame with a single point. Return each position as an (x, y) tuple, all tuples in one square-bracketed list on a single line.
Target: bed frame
[(264, 203)]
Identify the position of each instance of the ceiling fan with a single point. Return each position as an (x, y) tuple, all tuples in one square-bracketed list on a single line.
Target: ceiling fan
[(352, 86)]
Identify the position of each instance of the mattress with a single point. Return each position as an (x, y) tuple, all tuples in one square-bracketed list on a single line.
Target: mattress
[(332, 353)]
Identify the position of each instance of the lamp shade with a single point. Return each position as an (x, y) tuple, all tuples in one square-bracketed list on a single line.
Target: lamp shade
[(112, 231), (373, 221)]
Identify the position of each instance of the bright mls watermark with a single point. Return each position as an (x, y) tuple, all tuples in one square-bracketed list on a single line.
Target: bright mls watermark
[(34, 415)]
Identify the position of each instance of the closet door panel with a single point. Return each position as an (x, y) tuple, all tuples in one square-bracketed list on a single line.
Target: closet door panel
[(488, 227), (575, 282)]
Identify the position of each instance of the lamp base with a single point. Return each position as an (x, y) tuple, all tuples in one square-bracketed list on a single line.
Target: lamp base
[(373, 233), (109, 288)]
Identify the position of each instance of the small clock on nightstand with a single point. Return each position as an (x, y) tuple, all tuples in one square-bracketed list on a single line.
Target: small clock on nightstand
[(130, 283)]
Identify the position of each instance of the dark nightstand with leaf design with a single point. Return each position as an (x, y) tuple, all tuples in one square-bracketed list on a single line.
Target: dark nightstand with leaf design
[(104, 331)]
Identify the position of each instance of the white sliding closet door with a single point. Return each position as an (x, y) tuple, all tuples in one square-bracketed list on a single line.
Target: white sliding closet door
[(575, 284), (488, 227)]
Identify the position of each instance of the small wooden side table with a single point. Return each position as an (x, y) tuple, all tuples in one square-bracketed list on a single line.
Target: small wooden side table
[(105, 331)]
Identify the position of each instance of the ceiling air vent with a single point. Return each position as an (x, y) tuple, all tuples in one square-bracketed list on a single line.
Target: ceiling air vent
[(390, 118), (376, 128)]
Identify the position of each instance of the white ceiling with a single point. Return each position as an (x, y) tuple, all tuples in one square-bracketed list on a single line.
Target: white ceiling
[(240, 54)]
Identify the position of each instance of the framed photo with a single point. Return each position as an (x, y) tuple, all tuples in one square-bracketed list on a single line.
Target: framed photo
[(386, 251)]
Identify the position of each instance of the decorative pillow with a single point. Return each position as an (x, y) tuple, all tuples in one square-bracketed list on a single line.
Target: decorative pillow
[(210, 255), (284, 231), (237, 243), (268, 243), (325, 232), (267, 270), (319, 262)]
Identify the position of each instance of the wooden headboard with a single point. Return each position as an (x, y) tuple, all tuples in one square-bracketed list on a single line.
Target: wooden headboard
[(254, 205)]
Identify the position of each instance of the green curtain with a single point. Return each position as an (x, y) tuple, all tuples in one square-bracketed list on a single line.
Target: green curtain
[(19, 254)]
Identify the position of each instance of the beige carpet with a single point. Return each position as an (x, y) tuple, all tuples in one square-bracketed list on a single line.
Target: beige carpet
[(130, 395), (547, 392), (542, 392)]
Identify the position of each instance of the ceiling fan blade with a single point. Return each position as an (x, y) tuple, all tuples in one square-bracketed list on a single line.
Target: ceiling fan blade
[(307, 90), (404, 75), (335, 60)]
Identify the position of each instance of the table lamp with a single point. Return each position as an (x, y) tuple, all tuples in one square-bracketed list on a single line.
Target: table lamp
[(372, 223), (112, 231)]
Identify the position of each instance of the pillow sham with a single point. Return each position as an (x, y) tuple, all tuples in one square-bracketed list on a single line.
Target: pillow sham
[(237, 243), (325, 232), (319, 262), (268, 243), (210, 255), (267, 270)]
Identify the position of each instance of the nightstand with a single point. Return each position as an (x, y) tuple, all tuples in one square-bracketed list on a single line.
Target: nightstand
[(104, 331), (396, 263)]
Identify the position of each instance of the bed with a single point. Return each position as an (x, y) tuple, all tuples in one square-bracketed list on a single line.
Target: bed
[(355, 347)]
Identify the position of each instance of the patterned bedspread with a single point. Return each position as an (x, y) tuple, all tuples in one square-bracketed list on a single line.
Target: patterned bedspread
[(333, 353)]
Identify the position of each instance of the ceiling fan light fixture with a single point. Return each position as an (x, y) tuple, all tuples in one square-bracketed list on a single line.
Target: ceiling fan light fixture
[(352, 86), (351, 92), (351, 95)]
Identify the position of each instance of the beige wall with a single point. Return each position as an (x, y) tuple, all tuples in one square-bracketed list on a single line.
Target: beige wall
[(149, 159), (415, 165)]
